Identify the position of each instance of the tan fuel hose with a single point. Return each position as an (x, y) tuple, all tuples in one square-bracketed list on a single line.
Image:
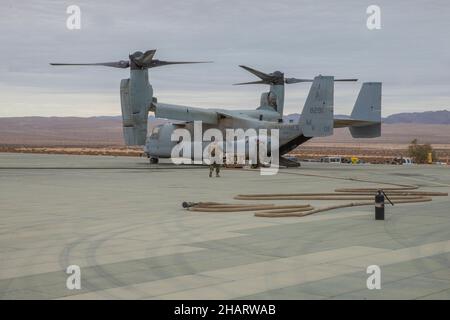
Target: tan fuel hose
[(224, 207), (278, 214), (399, 193), (397, 196)]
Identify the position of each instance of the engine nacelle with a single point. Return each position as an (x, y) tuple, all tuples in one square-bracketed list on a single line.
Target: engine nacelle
[(136, 95)]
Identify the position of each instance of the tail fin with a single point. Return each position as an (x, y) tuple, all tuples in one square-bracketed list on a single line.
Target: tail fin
[(317, 115), (367, 108), (135, 96)]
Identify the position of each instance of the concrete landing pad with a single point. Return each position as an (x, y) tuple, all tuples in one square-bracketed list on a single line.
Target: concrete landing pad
[(120, 220)]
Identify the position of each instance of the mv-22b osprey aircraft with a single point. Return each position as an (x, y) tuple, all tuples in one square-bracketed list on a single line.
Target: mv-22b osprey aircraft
[(317, 118)]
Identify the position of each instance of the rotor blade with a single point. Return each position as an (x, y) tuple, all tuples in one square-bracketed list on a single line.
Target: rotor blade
[(159, 63), (295, 80), (252, 82), (118, 64), (259, 74)]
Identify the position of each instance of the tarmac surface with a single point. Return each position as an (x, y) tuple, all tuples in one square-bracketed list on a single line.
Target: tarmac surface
[(120, 220)]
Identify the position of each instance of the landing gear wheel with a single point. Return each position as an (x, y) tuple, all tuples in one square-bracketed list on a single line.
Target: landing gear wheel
[(154, 160)]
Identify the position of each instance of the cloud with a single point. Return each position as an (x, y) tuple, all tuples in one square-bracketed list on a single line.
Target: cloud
[(410, 54)]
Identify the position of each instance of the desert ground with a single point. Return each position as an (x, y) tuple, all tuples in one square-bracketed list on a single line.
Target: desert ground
[(103, 136)]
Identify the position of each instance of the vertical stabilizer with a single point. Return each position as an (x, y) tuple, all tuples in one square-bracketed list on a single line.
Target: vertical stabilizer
[(368, 104), (317, 115), (367, 108)]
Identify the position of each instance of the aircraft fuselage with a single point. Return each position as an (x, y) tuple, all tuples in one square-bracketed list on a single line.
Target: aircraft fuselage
[(159, 143)]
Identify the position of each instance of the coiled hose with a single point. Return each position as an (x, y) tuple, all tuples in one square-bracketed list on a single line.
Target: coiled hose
[(398, 194)]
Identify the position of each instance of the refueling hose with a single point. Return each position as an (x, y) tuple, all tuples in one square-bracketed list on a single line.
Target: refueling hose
[(398, 194), (229, 207)]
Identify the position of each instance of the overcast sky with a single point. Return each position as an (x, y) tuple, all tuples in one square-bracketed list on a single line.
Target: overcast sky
[(410, 54)]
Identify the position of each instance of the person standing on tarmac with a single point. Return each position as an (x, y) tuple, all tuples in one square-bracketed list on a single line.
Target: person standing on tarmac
[(215, 157)]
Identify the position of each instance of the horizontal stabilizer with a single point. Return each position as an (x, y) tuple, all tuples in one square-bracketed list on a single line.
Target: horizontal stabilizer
[(370, 131)]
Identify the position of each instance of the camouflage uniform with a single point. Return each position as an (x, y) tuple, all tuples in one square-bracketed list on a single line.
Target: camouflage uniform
[(214, 148)]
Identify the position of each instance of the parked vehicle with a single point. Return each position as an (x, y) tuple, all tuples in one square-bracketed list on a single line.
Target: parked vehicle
[(331, 159), (402, 161)]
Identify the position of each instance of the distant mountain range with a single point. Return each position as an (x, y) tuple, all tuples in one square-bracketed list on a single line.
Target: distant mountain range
[(427, 117), (432, 127)]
